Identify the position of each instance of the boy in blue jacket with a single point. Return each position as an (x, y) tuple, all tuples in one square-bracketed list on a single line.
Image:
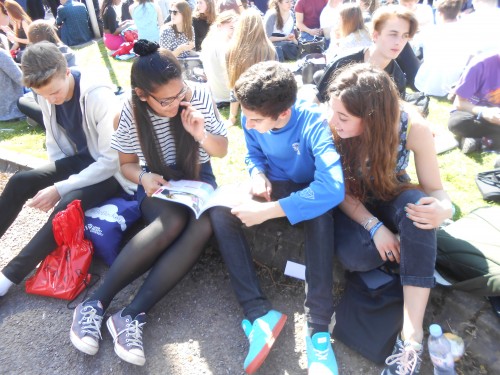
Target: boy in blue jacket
[(296, 170)]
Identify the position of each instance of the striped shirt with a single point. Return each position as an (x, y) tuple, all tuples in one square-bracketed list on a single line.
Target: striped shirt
[(126, 139)]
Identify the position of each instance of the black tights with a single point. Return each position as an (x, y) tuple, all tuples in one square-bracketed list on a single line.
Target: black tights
[(170, 246)]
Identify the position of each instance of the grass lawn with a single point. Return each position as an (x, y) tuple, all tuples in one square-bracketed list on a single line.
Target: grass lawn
[(457, 170)]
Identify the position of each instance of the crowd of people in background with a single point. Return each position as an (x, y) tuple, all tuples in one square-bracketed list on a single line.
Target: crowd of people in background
[(169, 128)]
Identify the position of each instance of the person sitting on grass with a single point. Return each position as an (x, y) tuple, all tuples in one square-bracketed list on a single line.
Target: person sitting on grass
[(393, 26), (78, 116), (73, 20), (38, 31), (375, 138), (296, 171), (477, 104)]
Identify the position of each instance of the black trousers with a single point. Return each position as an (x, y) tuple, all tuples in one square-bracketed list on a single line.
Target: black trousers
[(465, 124), (24, 185)]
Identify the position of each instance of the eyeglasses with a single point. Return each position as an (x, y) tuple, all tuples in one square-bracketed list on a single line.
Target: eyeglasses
[(173, 12), (168, 101)]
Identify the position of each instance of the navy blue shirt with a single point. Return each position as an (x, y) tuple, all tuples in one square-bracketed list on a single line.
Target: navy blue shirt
[(69, 116)]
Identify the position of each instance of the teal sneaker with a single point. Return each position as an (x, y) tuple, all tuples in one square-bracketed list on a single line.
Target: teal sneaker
[(261, 335), (320, 357)]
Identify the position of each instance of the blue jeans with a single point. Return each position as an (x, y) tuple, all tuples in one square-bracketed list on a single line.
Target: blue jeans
[(319, 252), (306, 36), (357, 252)]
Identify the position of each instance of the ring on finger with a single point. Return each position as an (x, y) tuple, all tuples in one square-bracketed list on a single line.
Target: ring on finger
[(389, 253)]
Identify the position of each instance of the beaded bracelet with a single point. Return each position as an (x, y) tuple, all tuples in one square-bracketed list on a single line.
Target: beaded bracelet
[(375, 228), (365, 225)]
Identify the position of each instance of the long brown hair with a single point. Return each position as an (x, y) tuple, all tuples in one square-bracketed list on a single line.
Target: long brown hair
[(16, 12), (369, 160), (210, 15), (156, 67), (249, 45), (187, 22), (274, 4), (352, 19)]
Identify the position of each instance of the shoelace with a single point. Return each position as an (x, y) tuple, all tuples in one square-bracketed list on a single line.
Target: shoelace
[(91, 321), (407, 360), (133, 332)]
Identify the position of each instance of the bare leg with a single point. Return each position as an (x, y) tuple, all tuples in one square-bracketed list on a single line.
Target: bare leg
[(415, 302)]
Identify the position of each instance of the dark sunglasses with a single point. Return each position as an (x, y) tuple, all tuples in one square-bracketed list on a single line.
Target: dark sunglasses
[(174, 12)]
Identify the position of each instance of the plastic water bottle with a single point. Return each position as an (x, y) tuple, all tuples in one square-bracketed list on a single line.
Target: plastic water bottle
[(440, 352)]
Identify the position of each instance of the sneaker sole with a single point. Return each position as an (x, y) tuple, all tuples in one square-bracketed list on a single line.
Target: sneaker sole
[(120, 352), (80, 344), (261, 357)]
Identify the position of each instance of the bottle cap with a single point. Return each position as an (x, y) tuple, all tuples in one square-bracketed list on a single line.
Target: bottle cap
[(435, 330)]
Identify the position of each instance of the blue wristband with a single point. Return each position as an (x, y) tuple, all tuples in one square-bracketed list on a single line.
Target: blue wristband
[(375, 229)]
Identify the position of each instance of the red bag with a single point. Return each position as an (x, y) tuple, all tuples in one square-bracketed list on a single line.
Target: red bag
[(64, 272)]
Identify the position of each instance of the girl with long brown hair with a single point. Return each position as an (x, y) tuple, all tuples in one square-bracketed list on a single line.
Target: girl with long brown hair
[(20, 21), (167, 130), (280, 24), (249, 45), (203, 17), (374, 138), (178, 35)]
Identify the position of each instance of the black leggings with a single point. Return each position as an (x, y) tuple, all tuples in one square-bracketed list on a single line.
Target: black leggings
[(24, 185), (170, 245)]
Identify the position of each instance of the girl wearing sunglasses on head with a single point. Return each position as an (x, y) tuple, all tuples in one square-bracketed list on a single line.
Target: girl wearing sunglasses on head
[(167, 130)]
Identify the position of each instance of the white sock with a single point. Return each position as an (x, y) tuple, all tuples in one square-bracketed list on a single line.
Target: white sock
[(5, 284)]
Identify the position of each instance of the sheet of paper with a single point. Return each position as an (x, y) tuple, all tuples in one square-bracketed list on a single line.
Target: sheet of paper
[(295, 270)]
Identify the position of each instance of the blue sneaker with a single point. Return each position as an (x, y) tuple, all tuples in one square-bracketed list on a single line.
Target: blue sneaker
[(261, 336), (320, 357)]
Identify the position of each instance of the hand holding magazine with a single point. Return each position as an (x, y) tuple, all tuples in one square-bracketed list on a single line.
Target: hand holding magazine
[(200, 196)]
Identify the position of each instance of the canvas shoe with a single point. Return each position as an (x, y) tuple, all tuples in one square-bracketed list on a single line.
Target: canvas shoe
[(86, 327), (320, 357), (405, 359), (127, 337), (261, 335)]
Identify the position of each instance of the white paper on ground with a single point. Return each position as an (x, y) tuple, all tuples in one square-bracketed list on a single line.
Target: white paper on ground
[(295, 270)]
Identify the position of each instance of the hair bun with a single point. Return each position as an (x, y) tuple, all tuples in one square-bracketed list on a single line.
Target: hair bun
[(145, 47)]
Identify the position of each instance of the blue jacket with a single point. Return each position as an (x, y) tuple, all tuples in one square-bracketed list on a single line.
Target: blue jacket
[(303, 152)]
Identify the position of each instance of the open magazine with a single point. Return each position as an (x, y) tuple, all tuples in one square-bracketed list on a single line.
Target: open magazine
[(200, 196)]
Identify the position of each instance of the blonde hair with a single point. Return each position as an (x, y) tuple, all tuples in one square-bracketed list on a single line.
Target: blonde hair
[(249, 45), (227, 16), (383, 14), (40, 30)]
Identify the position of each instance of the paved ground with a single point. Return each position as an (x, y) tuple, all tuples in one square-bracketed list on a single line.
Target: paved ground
[(195, 328)]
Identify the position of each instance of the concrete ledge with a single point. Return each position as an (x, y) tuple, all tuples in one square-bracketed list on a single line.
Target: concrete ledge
[(12, 162), (275, 242)]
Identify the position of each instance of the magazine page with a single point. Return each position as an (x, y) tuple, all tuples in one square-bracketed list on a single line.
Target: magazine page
[(193, 194), (231, 195), (200, 196)]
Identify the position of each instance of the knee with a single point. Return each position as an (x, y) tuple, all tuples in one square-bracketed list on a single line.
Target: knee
[(220, 215), (21, 184)]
